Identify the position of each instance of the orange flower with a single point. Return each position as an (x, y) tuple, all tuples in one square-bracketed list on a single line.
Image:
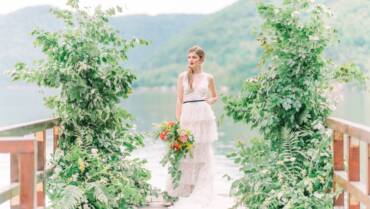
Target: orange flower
[(170, 123), (163, 135), (176, 146)]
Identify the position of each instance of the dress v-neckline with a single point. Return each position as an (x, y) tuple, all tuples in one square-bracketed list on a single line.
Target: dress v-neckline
[(200, 80)]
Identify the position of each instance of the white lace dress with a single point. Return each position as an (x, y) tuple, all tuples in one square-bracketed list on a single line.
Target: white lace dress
[(196, 187)]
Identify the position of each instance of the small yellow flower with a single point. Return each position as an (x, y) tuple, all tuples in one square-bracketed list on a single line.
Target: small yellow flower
[(81, 165), (189, 146)]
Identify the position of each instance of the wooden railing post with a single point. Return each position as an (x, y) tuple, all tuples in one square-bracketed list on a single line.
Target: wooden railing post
[(14, 177), (41, 161), (27, 180), (26, 150), (338, 157), (353, 169)]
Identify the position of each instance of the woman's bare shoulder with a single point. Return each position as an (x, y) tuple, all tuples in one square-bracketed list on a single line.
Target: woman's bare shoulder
[(210, 76), (182, 75)]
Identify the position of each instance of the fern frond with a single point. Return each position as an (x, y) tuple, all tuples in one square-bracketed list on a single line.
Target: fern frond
[(71, 198), (101, 193)]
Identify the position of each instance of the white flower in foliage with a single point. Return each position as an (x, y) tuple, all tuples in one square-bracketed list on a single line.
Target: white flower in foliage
[(314, 38), (134, 127), (75, 177), (122, 148), (327, 27), (94, 151), (83, 66), (86, 206), (325, 9), (295, 14), (57, 170), (319, 126), (332, 107), (252, 79)]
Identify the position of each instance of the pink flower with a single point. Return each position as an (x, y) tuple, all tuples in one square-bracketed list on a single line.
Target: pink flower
[(184, 138)]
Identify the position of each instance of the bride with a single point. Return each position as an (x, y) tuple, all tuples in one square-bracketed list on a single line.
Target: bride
[(193, 110)]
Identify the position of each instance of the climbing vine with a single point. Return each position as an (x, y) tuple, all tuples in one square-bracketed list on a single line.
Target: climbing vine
[(93, 166), (290, 164)]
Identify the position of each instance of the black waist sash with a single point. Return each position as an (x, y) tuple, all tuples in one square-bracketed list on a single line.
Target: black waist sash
[(199, 100)]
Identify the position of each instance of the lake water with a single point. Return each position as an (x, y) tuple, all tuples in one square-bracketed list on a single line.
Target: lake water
[(19, 104)]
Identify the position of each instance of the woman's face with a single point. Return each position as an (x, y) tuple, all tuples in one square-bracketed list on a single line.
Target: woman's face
[(194, 60)]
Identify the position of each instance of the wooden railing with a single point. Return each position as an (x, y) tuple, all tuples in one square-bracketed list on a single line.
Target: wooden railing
[(27, 162), (347, 175)]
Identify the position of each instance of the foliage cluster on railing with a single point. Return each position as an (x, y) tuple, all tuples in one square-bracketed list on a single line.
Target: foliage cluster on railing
[(290, 165), (93, 167)]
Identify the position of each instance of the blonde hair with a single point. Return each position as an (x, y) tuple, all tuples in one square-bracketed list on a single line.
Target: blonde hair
[(200, 52)]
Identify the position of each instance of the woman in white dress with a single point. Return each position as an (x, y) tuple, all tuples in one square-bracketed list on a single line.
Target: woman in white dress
[(196, 92)]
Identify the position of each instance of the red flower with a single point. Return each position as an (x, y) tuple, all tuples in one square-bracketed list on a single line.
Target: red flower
[(163, 135), (176, 146)]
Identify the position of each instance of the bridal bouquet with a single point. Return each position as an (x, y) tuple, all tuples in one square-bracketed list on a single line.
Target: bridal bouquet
[(179, 143)]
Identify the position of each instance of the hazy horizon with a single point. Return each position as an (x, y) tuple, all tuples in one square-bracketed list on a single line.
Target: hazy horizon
[(130, 7)]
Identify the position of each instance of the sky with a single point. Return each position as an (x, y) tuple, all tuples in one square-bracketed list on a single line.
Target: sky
[(149, 7)]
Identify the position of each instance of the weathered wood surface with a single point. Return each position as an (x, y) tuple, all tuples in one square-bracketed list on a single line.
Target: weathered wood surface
[(27, 162), (358, 190)]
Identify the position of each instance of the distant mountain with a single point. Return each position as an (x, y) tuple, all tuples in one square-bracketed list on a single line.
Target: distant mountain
[(226, 36), (352, 20), (16, 41), (232, 53), (156, 29)]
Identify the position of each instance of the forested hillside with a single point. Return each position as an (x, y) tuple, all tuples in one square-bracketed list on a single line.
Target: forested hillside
[(16, 41), (228, 36)]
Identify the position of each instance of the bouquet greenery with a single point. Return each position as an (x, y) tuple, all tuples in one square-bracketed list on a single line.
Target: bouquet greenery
[(180, 143)]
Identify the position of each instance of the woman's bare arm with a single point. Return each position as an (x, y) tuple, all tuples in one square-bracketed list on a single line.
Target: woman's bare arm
[(180, 95), (212, 89)]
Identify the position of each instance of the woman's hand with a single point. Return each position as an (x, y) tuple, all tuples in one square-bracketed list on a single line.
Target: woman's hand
[(210, 101)]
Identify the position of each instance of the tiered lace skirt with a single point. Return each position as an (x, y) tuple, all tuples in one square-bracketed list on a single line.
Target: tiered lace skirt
[(197, 172)]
